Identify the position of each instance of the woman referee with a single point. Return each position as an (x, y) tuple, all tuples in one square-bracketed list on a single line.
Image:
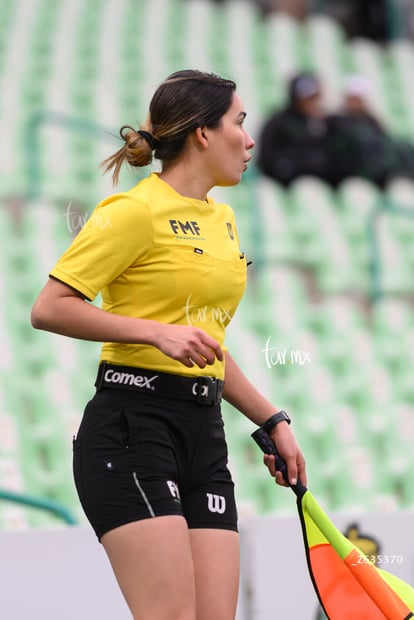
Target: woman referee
[(150, 457)]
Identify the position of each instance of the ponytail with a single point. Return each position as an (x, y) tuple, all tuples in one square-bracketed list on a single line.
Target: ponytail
[(137, 151)]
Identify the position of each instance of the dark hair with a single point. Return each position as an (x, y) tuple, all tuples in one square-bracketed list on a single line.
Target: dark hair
[(184, 101)]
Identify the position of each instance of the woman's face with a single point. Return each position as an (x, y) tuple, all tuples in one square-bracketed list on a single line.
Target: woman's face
[(229, 146)]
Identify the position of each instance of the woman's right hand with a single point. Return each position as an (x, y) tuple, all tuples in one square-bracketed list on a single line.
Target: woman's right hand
[(188, 345)]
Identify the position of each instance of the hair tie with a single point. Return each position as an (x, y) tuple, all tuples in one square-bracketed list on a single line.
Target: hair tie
[(148, 137)]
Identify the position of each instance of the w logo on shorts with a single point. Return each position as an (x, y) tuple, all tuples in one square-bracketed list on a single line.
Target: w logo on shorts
[(216, 503)]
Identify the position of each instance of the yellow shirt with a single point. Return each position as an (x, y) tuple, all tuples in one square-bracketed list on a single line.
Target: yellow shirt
[(154, 254)]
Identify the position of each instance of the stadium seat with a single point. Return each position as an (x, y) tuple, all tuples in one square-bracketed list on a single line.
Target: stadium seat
[(400, 192), (357, 198), (401, 58), (311, 210), (285, 53), (276, 233), (323, 246), (395, 276), (327, 49), (280, 292), (391, 317)]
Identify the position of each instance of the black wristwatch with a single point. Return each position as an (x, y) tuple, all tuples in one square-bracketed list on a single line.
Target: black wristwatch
[(280, 416)]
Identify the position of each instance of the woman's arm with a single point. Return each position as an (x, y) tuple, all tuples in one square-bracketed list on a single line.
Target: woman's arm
[(242, 394), (62, 310)]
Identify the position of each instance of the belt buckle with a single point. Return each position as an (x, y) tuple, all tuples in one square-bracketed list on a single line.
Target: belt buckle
[(207, 390)]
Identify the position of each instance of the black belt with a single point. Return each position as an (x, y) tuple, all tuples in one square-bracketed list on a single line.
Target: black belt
[(203, 390)]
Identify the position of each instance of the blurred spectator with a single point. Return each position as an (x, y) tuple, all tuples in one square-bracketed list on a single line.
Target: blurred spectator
[(359, 143), (360, 18), (294, 141), (372, 18)]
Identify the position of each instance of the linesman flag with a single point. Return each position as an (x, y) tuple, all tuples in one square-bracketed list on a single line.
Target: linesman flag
[(347, 584)]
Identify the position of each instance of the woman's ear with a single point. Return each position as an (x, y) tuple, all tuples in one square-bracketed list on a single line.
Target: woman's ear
[(201, 136)]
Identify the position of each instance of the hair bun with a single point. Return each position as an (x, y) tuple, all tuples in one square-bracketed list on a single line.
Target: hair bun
[(129, 135)]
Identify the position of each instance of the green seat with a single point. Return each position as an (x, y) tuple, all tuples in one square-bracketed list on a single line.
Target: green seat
[(403, 384), (321, 245), (400, 461), (357, 198), (393, 328), (340, 272), (281, 292), (333, 348), (327, 54), (313, 218), (395, 275), (401, 63), (356, 481), (273, 213), (285, 47), (401, 193)]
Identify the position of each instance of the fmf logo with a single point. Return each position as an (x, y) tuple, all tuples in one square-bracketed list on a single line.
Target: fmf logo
[(185, 227)]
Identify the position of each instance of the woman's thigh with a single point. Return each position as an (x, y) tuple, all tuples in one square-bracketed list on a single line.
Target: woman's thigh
[(165, 570), (216, 559), (152, 561)]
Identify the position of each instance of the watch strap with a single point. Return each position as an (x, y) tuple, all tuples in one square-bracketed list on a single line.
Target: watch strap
[(280, 416)]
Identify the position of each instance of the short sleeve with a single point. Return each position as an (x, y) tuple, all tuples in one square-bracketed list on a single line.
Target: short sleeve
[(117, 235)]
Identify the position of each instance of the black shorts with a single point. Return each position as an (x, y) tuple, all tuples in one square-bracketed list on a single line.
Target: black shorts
[(138, 456)]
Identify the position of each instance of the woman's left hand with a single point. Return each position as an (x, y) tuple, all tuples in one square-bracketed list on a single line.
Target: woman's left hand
[(290, 452)]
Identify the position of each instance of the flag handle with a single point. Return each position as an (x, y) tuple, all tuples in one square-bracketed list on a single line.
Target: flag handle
[(266, 444)]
